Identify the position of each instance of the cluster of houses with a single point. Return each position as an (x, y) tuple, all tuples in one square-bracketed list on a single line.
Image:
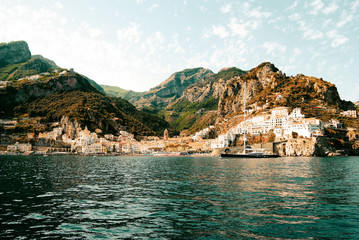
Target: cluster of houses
[(89, 143), (281, 122)]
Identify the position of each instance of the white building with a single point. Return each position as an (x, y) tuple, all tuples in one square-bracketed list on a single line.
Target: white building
[(306, 127), (296, 114), (21, 147), (350, 113), (94, 148), (203, 133), (280, 121)]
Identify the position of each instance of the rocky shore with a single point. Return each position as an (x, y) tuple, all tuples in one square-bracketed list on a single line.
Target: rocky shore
[(317, 146)]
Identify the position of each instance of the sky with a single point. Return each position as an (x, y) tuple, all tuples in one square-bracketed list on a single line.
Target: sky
[(138, 44)]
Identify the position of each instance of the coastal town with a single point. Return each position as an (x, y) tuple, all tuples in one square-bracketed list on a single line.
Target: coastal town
[(281, 123)]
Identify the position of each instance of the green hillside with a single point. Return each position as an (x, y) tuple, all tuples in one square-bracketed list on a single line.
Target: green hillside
[(129, 95)]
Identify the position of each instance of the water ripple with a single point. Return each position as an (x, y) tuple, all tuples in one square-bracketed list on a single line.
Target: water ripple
[(179, 198)]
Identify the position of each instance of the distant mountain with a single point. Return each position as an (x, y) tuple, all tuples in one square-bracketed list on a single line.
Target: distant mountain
[(53, 93), (129, 95), (171, 89)]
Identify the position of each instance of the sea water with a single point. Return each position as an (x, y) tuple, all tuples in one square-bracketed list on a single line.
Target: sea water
[(72, 197)]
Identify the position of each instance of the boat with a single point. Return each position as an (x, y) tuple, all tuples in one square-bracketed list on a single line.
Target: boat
[(249, 155), (245, 154)]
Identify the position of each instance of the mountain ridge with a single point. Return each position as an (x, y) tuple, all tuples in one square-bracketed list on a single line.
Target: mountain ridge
[(190, 100)]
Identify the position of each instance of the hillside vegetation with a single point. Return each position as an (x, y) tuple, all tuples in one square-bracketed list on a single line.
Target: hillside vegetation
[(129, 95)]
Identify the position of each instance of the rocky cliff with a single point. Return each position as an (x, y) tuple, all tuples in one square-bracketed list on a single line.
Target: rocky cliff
[(319, 146), (14, 52), (71, 127), (211, 87)]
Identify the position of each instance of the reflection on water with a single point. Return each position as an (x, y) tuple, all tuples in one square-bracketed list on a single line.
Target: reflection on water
[(179, 197)]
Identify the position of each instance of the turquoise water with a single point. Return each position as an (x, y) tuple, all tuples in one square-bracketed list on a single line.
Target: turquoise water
[(178, 198)]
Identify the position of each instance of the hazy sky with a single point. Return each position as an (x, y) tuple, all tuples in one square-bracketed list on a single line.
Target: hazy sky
[(138, 44)]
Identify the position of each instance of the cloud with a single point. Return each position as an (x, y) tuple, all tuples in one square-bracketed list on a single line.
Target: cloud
[(153, 6), (337, 39), (345, 18), (312, 34), (257, 13), (220, 31), (274, 47), (226, 8), (176, 45), (316, 6), (309, 32), (293, 6), (59, 5), (153, 43), (233, 29), (129, 34), (293, 57), (238, 29), (330, 9)]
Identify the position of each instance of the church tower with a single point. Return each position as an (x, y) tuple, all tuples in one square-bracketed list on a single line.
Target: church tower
[(165, 134)]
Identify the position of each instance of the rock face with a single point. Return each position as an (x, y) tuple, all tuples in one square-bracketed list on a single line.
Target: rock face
[(14, 52), (211, 87), (201, 92), (319, 146), (172, 88), (71, 127), (300, 147), (257, 79)]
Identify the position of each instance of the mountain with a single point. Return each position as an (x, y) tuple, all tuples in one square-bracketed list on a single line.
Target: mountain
[(267, 87), (197, 107), (171, 89), (129, 95), (53, 93), (188, 101)]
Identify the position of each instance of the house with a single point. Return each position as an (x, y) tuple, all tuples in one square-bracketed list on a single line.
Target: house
[(296, 114), (280, 111), (94, 148), (333, 123), (305, 128), (21, 147), (349, 113)]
